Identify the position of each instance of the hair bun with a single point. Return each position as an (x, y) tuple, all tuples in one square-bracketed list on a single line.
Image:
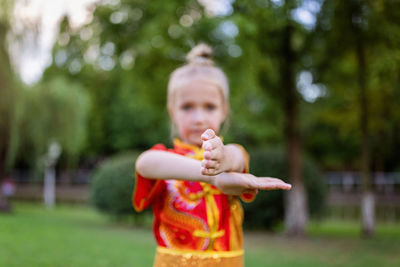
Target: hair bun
[(201, 54)]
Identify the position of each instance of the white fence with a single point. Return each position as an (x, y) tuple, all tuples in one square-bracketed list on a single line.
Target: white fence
[(387, 183)]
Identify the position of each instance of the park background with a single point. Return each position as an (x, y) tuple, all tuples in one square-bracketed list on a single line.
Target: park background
[(315, 99)]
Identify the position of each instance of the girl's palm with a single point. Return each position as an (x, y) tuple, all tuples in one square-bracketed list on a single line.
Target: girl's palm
[(234, 183)]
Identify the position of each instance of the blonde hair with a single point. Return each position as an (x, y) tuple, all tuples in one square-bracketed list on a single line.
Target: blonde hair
[(199, 66)]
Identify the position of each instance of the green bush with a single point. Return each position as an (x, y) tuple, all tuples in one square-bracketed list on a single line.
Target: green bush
[(113, 183), (267, 209)]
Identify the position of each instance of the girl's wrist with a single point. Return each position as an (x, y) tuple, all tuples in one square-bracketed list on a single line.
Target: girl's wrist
[(211, 179), (227, 159), (230, 152)]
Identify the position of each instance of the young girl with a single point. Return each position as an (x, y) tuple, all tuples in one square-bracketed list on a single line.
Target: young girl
[(194, 187)]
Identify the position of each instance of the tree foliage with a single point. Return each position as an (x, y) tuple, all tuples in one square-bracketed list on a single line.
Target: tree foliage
[(52, 111), (124, 58), (335, 65)]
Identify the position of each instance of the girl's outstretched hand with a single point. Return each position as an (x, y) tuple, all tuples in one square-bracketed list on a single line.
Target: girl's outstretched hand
[(217, 163), (234, 183), (215, 159)]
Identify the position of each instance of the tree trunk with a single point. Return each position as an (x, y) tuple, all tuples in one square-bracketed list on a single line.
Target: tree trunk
[(367, 205), (295, 200), (5, 114), (5, 205), (6, 101), (368, 214)]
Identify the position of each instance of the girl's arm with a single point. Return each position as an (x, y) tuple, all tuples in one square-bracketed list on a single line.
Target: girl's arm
[(165, 165)]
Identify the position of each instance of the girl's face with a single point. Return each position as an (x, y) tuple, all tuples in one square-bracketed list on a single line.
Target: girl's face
[(197, 106)]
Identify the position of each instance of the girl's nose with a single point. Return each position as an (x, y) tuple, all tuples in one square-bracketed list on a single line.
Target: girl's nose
[(198, 116)]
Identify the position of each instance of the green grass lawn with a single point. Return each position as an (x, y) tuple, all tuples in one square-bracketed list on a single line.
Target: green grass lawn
[(79, 236)]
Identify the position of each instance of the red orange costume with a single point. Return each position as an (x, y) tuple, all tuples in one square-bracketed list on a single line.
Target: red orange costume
[(195, 224)]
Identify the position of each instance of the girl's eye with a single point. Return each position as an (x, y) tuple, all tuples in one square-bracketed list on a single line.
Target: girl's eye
[(186, 107), (210, 107)]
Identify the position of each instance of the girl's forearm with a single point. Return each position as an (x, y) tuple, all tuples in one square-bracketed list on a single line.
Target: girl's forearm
[(164, 165)]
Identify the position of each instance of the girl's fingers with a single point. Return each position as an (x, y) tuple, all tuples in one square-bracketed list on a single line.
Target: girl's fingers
[(272, 184), (206, 171), (207, 145), (212, 143), (209, 164), (203, 163), (273, 179), (277, 185), (207, 135), (207, 154), (212, 155), (277, 181)]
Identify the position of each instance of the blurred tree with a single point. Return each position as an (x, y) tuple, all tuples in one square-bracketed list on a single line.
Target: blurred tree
[(353, 39), (276, 60), (7, 97), (31, 118), (55, 110), (123, 57)]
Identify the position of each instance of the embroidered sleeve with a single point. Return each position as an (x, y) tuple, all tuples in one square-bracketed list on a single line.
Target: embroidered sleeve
[(147, 190)]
